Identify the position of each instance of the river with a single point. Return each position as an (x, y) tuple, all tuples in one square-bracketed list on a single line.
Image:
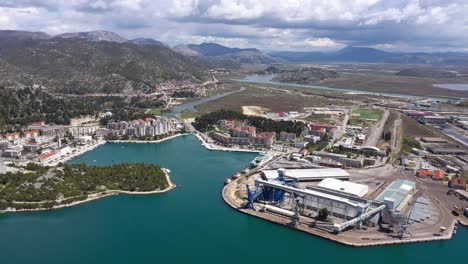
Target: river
[(191, 106), (190, 224), (268, 79)]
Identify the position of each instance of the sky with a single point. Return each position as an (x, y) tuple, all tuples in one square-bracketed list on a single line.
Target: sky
[(299, 25)]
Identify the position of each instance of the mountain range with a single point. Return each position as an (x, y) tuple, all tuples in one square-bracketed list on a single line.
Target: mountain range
[(217, 53), (90, 62), (371, 55), (103, 61)]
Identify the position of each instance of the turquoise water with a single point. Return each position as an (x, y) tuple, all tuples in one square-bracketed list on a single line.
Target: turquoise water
[(187, 225)]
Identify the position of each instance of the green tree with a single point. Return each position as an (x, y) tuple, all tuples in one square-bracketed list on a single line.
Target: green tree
[(323, 214)]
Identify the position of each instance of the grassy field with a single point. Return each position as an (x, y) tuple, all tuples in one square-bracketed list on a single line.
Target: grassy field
[(411, 128), (189, 114), (155, 111), (375, 114), (275, 100), (393, 84)]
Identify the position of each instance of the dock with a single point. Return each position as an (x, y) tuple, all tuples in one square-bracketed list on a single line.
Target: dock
[(354, 238)]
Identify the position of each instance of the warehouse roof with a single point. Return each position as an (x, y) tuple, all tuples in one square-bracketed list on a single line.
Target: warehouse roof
[(344, 186), (316, 193), (397, 191)]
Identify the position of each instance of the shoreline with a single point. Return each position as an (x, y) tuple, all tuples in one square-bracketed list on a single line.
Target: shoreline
[(102, 142), (74, 155), (219, 148), (97, 196), (146, 141)]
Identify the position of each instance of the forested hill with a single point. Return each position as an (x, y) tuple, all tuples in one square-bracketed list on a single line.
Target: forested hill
[(20, 107), (76, 65)]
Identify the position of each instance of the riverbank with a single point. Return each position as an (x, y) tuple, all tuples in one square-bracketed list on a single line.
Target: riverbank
[(147, 141), (96, 196)]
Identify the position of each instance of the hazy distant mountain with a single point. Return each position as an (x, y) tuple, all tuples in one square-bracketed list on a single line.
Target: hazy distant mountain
[(183, 49), (19, 34), (97, 35), (83, 66), (148, 41), (363, 54), (216, 52)]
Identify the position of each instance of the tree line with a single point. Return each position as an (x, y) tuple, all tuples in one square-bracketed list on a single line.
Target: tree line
[(20, 107), (207, 122)]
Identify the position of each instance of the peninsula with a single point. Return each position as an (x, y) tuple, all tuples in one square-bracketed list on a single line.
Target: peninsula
[(42, 188)]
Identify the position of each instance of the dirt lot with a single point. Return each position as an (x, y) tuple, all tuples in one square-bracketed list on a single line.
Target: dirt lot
[(252, 110)]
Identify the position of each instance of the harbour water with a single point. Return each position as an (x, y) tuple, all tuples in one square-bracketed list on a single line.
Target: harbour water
[(187, 225)]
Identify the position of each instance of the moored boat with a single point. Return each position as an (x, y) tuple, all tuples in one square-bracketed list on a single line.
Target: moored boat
[(237, 175), (260, 160), (227, 181)]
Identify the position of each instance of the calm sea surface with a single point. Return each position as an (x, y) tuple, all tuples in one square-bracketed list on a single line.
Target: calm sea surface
[(190, 224)]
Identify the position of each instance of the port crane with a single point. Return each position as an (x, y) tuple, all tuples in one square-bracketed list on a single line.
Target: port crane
[(252, 196)]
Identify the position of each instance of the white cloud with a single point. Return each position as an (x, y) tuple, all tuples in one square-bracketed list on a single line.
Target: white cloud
[(267, 24), (180, 8), (324, 43)]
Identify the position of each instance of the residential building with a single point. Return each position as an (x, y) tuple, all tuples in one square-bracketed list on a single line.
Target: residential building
[(285, 136)]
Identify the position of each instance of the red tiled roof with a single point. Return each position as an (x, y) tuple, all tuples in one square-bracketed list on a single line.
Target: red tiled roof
[(47, 155)]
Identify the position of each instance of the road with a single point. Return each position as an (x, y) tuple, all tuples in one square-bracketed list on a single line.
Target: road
[(395, 144), (375, 130)]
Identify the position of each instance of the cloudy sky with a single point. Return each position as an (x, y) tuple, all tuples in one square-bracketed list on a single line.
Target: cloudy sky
[(409, 25)]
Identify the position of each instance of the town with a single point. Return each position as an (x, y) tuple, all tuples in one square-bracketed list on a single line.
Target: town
[(49, 144)]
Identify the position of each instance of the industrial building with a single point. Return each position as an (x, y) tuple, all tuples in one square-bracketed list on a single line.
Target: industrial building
[(433, 120), (305, 174), (352, 188), (433, 140), (314, 200), (348, 210), (397, 194), (447, 151)]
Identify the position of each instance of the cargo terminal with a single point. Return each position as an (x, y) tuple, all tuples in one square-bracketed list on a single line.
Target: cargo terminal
[(354, 206), (303, 193)]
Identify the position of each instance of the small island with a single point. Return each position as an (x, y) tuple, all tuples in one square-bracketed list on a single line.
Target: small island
[(41, 188)]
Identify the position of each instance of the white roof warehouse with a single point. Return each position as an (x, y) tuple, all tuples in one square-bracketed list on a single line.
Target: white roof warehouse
[(344, 186)]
